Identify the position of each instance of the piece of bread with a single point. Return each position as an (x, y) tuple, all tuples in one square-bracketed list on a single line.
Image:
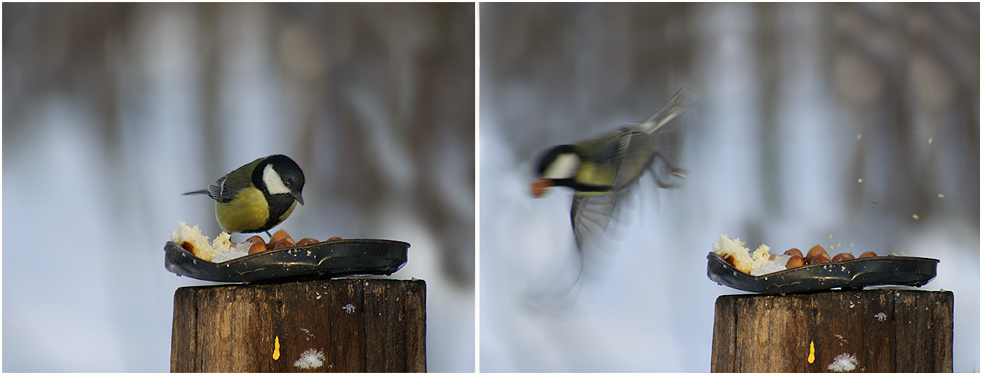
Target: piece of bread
[(733, 252), (191, 239)]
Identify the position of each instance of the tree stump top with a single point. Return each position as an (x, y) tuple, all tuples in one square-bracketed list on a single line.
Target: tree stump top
[(858, 331), (342, 325)]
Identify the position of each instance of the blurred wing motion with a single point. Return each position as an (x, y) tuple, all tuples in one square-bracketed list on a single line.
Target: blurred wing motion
[(592, 215), (652, 146)]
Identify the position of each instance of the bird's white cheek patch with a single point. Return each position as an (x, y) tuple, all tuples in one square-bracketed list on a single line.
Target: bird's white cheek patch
[(274, 184), (563, 167)]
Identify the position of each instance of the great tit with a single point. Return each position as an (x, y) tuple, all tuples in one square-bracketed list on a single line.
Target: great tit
[(602, 170), (258, 196)]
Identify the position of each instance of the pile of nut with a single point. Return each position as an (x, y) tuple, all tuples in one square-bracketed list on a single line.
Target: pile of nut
[(818, 255), (280, 239)]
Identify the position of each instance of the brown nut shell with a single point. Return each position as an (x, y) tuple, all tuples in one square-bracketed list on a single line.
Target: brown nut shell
[(820, 258), (845, 256), (256, 239), (306, 241), (283, 243), (816, 250), (278, 235), (257, 247), (795, 261), (867, 254), (795, 252), (334, 238)]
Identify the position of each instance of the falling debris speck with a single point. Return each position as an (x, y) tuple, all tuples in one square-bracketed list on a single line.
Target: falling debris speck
[(916, 216), (860, 180), (851, 245), (307, 334), (874, 202), (349, 308), (930, 140), (858, 136), (881, 316), (312, 358), (830, 236), (940, 195), (843, 363)]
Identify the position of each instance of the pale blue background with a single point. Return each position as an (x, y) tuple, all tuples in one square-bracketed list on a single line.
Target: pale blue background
[(772, 157), (111, 111)]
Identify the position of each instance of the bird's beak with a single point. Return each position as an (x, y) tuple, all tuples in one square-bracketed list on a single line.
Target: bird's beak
[(297, 196), (540, 186)]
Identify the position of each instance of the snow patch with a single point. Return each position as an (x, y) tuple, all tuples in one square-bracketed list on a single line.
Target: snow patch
[(312, 358), (843, 363)]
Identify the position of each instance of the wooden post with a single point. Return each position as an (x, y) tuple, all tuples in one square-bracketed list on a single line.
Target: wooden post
[(343, 325), (858, 331)]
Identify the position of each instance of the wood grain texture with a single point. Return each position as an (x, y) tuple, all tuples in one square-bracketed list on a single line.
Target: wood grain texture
[(867, 330), (344, 325)]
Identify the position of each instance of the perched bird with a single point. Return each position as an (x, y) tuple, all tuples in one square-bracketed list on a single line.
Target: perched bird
[(601, 171), (258, 196)]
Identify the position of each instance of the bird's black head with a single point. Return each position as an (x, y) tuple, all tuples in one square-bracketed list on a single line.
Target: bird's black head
[(278, 174), (557, 166), (560, 162)]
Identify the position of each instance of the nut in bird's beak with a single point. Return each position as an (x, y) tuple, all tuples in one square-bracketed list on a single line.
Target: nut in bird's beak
[(540, 186)]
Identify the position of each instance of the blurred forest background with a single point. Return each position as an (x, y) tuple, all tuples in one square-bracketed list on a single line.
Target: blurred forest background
[(851, 125), (111, 111)]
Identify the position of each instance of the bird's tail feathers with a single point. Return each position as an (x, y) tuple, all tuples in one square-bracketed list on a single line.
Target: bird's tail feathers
[(682, 99)]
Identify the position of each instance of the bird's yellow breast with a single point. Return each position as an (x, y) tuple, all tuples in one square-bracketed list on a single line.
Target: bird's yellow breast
[(597, 175), (246, 212)]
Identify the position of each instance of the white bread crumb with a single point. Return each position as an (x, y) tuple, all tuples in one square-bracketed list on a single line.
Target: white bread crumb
[(736, 254), (186, 236)]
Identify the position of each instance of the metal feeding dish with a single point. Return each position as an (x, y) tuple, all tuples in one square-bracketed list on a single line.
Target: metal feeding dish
[(328, 259), (851, 274)]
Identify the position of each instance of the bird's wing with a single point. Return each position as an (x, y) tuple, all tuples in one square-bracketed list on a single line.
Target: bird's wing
[(630, 155), (220, 191), (656, 144), (658, 153), (634, 155), (594, 215)]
